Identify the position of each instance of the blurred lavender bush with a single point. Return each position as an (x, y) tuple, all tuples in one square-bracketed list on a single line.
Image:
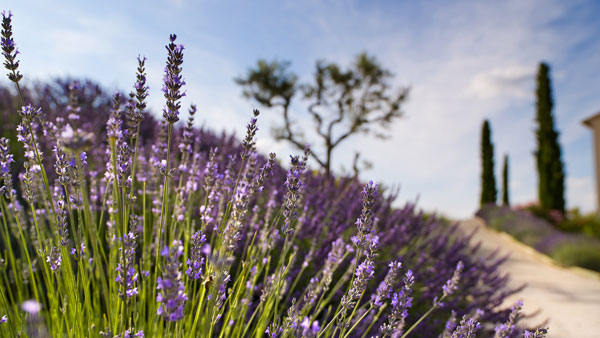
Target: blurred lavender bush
[(567, 248), (120, 226)]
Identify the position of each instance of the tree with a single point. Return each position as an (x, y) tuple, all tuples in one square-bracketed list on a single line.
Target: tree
[(505, 199), (488, 180), (342, 103), (551, 177)]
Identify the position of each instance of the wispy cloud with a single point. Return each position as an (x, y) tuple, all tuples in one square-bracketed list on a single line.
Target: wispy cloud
[(508, 83)]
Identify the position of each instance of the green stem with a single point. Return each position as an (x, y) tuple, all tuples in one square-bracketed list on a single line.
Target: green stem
[(358, 321), (421, 319)]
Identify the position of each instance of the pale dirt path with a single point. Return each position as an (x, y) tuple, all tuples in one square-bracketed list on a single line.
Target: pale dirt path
[(569, 298)]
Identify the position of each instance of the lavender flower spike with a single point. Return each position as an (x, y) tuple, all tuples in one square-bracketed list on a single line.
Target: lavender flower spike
[(9, 50), (172, 294), (6, 159), (452, 284), (401, 302), (249, 143), (196, 261), (364, 223), (113, 125), (467, 328), (127, 276), (63, 223), (54, 258), (539, 333), (450, 326), (141, 88), (506, 330), (28, 112), (384, 291), (293, 184), (173, 81), (364, 272)]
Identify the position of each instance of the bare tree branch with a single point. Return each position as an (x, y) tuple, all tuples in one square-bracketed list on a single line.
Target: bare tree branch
[(342, 103)]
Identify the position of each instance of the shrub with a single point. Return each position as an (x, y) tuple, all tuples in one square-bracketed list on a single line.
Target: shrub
[(583, 255), (189, 234), (566, 248), (574, 221)]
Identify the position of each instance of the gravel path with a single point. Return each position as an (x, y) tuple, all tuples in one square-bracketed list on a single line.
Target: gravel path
[(567, 298)]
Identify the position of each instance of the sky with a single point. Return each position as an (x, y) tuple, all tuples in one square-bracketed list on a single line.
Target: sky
[(464, 61)]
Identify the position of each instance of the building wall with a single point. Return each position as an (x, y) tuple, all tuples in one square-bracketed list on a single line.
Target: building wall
[(594, 124)]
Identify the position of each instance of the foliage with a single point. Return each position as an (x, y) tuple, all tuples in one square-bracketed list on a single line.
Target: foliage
[(170, 236), (571, 221), (574, 221), (526, 226), (505, 194), (586, 255), (488, 180), (342, 103), (550, 168)]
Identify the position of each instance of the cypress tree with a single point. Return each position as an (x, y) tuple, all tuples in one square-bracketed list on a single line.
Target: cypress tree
[(505, 200), (551, 177), (488, 181)]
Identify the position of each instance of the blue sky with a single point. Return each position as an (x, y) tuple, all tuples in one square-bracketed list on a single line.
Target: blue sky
[(464, 61)]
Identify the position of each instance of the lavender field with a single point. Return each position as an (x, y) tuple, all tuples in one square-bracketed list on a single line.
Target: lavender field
[(119, 223)]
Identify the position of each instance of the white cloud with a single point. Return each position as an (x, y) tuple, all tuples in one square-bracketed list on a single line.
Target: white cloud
[(509, 82)]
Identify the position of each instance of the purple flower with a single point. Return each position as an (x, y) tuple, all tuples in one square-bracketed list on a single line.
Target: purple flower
[(127, 275), (506, 329), (162, 167), (28, 112), (467, 328), (310, 329), (196, 262), (364, 223), (450, 325), (31, 306), (62, 167), (273, 330), (173, 81), (9, 49), (54, 258), (136, 115), (292, 196), (249, 143), (4, 319), (265, 172), (385, 288), (539, 333), (129, 333), (363, 274), (124, 160), (452, 284), (62, 217), (187, 140), (401, 302), (172, 294), (113, 125), (5, 160)]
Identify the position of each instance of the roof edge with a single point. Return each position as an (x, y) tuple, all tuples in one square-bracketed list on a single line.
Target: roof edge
[(588, 122)]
